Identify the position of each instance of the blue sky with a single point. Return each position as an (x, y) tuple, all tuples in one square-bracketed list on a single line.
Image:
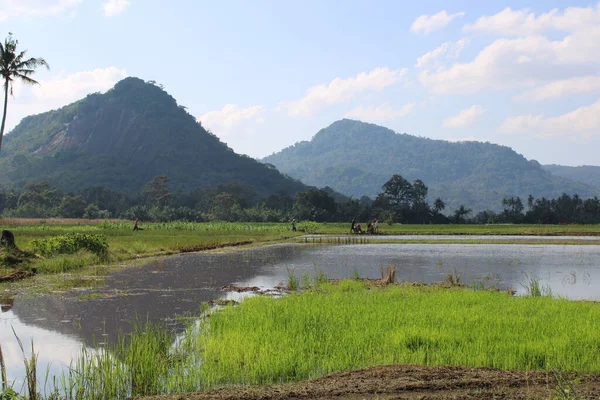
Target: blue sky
[(263, 75)]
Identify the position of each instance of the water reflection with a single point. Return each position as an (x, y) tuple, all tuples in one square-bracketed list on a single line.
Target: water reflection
[(54, 350)]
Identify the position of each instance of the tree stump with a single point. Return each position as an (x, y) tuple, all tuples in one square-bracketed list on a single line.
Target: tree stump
[(7, 239)]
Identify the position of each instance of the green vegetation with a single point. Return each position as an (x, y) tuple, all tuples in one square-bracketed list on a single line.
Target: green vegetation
[(357, 158), (71, 243), (348, 326), (341, 326)]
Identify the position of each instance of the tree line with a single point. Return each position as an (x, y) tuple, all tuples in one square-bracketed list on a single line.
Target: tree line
[(399, 201), (565, 209)]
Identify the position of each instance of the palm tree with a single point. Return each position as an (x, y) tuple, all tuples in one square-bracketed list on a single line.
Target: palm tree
[(461, 213), (438, 205), (13, 66)]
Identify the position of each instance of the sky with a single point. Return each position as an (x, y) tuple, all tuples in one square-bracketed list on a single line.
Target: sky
[(263, 75)]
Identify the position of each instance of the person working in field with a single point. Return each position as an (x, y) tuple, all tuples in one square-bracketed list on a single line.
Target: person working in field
[(136, 227)]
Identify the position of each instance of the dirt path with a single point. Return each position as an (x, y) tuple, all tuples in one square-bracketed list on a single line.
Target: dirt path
[(414, 382)]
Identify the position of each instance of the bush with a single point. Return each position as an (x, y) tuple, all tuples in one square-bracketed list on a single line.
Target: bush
[(71, 243)]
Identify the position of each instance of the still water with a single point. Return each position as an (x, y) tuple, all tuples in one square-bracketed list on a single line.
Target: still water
[(166, 288)]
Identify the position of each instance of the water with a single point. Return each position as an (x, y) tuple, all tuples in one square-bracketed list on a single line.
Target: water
[(453, 238), (166, 288)]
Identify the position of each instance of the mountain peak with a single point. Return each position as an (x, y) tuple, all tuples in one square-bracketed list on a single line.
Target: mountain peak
[(123, 138), (357, 158)]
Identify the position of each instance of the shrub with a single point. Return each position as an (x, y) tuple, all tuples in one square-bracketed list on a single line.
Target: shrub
[(71, 243)]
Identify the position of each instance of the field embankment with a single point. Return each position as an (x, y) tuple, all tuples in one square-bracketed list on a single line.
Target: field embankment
[(412, 382)]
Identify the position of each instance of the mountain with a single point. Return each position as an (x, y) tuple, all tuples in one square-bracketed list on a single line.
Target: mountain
[(588, 174), (357, 158), (121, 140)]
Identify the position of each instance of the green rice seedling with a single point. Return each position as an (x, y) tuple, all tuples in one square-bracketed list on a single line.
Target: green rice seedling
[(135, 365), (356, 276), (292, 280), (348, 326)]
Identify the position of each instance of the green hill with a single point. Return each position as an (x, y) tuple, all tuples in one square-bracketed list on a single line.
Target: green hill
[(588, 174), (121, 140), (356, 158)]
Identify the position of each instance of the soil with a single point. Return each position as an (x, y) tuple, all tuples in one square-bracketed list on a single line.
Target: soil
[(416, 382)]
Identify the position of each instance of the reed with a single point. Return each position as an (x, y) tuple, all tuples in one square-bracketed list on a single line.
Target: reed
[(3, 371)]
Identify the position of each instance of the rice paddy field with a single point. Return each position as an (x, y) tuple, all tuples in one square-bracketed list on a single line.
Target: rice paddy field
[(159, 239), (326, 328)]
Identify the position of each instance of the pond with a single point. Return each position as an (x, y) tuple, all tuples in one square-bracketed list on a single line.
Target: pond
[(165, 289)]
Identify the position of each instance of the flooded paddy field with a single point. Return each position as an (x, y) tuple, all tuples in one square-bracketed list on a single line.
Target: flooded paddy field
[(167, 289)]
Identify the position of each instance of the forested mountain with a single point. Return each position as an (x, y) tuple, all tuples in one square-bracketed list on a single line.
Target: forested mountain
[(122, 139), (357, 158), (588, 174)]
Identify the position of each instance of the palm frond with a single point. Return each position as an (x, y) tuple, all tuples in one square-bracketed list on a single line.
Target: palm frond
[(27, 79), (32, 63)]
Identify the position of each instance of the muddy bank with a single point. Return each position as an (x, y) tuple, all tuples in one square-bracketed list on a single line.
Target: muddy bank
[(414, 382)]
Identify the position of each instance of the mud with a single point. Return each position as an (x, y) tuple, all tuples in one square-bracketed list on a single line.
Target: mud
[(415, 382), (239, 289), (205, 247)]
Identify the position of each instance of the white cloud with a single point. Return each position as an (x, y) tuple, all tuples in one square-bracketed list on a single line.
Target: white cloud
[(223, 120), (524, 23), (561, 88), (426, 24), (580, 124), (59, 91), (342, 90), (384, 112), (529, 59), (114, 7), (446, 51), (35, 8), (64, 89), (464, 118), (513, 63)]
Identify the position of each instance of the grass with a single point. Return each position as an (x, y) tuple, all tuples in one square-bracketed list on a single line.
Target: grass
[(535, 289)]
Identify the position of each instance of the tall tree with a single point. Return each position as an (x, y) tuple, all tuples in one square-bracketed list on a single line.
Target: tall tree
[(156, 190), (398, 191), (14, 66)]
